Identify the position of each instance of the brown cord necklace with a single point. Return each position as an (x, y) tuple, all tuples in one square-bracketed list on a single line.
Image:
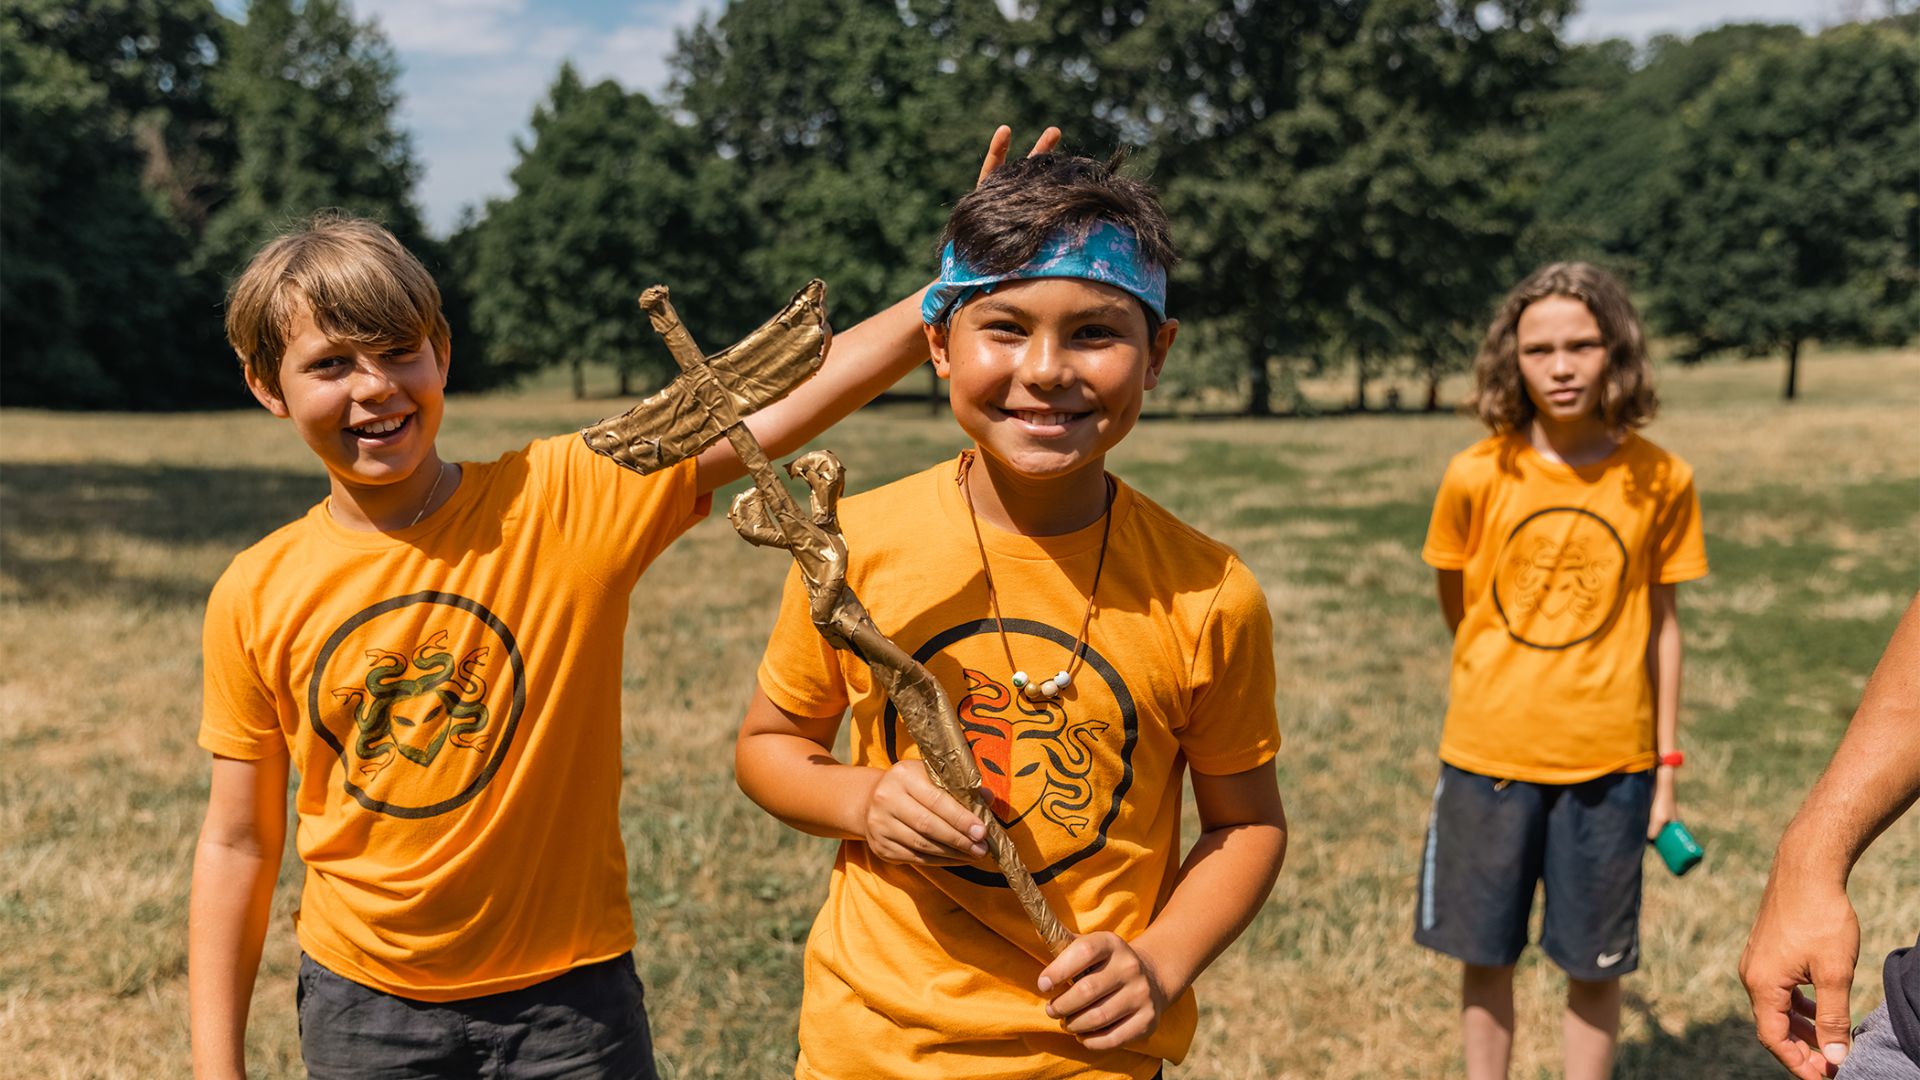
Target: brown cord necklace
[(1061, 680)]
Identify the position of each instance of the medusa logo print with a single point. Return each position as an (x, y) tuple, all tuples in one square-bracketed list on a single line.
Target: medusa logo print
[(1559, 577), (1004, 730), (420, 697), (415, 718), (1059, 771)]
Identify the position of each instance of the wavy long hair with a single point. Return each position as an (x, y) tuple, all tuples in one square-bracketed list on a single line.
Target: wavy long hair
[(1627, 399)]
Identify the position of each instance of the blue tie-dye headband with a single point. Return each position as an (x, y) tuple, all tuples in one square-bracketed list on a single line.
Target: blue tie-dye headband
[(1109, 254)]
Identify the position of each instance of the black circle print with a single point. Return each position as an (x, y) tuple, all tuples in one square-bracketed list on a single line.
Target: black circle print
[(1560, 577), (420, 696), (1052, 767)]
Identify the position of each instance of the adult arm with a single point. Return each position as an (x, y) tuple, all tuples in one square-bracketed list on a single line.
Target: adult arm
[(1121, 988), (1806, 931), (861, 362), (1664, 654), (234, 868)]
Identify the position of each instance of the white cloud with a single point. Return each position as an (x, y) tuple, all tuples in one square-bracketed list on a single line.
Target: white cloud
[(447, 27)]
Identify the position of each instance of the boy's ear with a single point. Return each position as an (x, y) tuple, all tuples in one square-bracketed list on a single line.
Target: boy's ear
[(445, 363), (268, 400), (937, 346), (1158, 348)]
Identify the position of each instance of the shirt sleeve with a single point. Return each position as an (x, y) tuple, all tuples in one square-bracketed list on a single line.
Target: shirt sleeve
[(1232, 725), (800, 672), (616, 521), (238, 715), (1450, 532), (1679, 549)]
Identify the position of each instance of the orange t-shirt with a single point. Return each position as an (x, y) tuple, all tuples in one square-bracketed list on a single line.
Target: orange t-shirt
[(915, 971), (1549, 679), (450, 695)]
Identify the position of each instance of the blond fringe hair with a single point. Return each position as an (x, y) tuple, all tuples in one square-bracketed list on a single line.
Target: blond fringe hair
[(1627, 399), (359, 283)]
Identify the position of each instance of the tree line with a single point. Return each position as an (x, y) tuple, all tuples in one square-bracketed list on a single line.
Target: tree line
[(1352, 182)]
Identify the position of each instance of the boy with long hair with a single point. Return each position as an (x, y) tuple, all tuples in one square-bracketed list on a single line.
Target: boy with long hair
[(1558, 540)]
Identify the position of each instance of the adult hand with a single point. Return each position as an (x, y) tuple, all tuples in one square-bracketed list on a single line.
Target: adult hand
[(1109, 994), (1002, 141), (1806, 933), (1666, 807), (910, 820)]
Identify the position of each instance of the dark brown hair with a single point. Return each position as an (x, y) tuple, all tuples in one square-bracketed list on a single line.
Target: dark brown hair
[(360, 283), (1627, 399), (1000, 225)]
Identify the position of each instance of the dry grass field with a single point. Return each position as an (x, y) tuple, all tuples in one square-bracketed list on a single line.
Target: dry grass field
[(112, 528)]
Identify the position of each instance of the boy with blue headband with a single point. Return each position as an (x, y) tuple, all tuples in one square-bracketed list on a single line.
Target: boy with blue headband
[(1094, 647)]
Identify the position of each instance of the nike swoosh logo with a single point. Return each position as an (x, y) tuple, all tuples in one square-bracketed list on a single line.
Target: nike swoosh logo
[(1607, 960)]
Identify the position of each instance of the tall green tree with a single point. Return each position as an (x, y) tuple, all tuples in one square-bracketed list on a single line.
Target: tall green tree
[(1790, 207), (1344, 175), (852, 124), (610, 196), (1613, 116), (312, 93), (112, 156)]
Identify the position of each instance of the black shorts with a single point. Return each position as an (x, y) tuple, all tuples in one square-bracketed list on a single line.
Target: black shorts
[(1489, 841), (587, 1022)]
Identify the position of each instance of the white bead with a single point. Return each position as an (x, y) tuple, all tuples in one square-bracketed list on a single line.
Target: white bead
[(1019, 680), (1063, 680), (1048, 689)]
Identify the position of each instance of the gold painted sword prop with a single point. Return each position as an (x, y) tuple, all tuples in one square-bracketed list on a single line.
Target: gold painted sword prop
[(667, 428)]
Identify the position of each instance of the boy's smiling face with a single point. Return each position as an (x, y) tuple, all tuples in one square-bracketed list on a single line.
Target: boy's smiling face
[(1048, 374), (370, 413)]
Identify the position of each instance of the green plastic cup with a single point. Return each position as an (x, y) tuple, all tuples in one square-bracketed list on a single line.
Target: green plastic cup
[(1678, 849)]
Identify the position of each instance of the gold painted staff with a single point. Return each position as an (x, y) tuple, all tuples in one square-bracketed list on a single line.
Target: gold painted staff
[(708, 400)]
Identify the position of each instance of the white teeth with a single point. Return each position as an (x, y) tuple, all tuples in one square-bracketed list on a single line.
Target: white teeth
[(1044, 419), (381, 427)]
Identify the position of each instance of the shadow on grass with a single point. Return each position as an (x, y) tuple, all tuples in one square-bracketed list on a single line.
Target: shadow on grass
[(1722, 1049), (59, 523)]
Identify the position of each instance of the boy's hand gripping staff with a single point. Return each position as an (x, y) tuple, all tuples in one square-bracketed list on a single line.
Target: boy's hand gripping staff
[(703, 404)]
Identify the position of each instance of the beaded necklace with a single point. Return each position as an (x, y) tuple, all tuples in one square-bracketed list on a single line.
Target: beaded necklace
[(1061, 680)]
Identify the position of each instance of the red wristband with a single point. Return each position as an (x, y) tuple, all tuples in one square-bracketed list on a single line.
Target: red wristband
[(1673, 759)]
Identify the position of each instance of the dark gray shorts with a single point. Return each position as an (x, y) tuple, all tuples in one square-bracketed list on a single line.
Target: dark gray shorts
[(1876, 1053), (1489, 841), (588, 1022)]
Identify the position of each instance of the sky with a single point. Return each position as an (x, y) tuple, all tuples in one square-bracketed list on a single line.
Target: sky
[(473, 69)]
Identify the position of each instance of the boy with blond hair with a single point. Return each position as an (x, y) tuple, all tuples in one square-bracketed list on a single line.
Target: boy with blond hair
[(436, 649)]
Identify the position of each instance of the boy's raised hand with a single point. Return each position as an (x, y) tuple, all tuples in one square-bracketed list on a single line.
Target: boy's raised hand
[(1002, 141), (910, 820), (1108, 995)]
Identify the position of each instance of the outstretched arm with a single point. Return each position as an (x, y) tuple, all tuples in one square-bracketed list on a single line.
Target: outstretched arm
[(1806, 932), (234, 869), (1121, 988), (862, 362)]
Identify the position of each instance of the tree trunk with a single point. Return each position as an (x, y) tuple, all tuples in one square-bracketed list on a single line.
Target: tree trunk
[(579, 382), (1259, 385), (1793, 369), (1360, 382), (1433, 386), (626, 383)]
